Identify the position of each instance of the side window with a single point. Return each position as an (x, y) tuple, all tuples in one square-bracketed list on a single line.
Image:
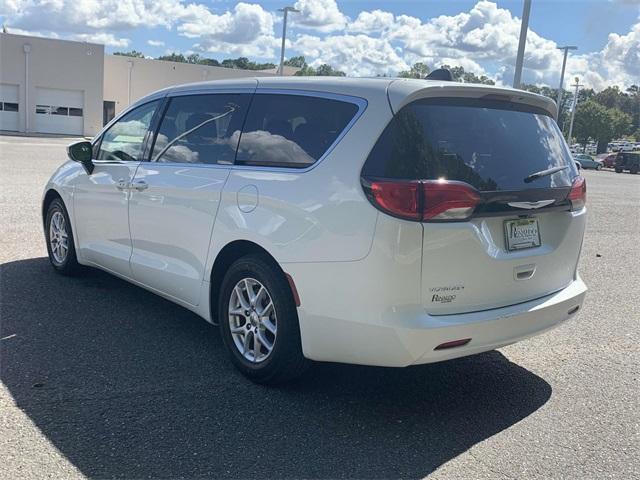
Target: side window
[(201, 129), (291, 130), (125, 139)]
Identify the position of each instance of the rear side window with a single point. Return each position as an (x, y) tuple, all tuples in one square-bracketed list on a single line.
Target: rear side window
[(291, 130), (201, 129), (491, 145)]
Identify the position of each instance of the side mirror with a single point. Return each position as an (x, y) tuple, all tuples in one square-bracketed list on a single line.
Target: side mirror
[(579, 165), (81, 152)]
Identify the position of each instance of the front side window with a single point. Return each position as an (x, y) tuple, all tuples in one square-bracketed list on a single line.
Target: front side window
[(201, 129), (125, 139), (491, 145), (291, 130)]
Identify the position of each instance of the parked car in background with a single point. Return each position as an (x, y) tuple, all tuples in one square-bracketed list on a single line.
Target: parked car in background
[(587, 161), (628, 161), (387, 222), (608, 160)]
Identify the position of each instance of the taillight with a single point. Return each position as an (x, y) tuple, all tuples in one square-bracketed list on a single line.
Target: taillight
[(448, 200), (578, 194), (401, 199), (424, 200)]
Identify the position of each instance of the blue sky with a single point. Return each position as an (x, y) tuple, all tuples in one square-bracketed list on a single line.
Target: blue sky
[(360, 37)]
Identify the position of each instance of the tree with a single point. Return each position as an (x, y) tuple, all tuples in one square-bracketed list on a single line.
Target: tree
[(460, 75), (595, 121), (418, 70), (323, 70), (298, 62), (132, 53), (174, 57)]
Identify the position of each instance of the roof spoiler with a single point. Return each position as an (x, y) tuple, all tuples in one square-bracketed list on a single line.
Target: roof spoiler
[(442, 74)]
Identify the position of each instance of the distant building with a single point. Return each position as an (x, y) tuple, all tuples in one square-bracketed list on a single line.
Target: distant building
[(64, 87)]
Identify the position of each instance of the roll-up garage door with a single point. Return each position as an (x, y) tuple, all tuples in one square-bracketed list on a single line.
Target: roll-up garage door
[(9, 107), (59, 111)]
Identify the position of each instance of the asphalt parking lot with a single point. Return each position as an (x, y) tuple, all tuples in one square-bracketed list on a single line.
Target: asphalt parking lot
[(103, 379)]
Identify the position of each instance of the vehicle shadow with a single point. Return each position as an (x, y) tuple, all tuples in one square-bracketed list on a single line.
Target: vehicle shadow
[(126, 384)]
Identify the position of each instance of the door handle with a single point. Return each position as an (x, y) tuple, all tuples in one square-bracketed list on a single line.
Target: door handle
[(122, 184), (140, 185)]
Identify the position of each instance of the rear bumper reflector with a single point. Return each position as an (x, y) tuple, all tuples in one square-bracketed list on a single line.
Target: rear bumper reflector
[(453, 344)]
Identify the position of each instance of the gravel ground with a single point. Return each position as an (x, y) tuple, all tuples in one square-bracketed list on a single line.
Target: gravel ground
[(103, 379)]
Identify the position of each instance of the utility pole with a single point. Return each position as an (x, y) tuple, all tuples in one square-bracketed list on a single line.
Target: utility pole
[(286, 10), (573, 108), (564, 64), (524, 26)]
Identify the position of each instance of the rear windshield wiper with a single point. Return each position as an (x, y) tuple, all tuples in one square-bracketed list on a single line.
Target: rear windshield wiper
[(544, 173)]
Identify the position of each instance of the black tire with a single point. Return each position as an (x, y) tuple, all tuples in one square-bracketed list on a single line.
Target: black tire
[(618, 170), (633, 170), (69, 264), (285, 361)]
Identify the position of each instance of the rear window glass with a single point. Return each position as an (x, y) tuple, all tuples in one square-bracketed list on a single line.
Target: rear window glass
[(491, 145), (291, 130), (201, 129)]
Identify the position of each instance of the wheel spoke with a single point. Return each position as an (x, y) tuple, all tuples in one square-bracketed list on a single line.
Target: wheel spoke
[(256, 347), (266, 310), (266, 321), (263, 340), (238, 330), (245, 343), (241, 299)]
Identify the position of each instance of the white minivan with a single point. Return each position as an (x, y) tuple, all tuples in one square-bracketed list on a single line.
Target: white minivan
[(386, 222)]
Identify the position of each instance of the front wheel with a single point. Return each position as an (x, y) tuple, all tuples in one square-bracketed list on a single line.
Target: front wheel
[(59, 238), (618, 170), (259, 321), (598, 167)]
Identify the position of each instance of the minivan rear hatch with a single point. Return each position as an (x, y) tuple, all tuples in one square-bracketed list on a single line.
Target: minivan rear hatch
[(496, 190)]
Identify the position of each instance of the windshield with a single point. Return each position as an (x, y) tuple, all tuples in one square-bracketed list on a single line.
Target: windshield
[(492, 145)]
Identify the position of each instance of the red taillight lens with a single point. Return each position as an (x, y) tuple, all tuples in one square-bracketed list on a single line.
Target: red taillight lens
[(448, 200), (578, 194), (398, 198), (425, 200)]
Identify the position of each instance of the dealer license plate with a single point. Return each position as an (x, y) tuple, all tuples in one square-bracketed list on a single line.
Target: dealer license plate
[(522, 233)]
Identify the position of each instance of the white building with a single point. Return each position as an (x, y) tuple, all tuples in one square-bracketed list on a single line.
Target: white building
[(58, 86)]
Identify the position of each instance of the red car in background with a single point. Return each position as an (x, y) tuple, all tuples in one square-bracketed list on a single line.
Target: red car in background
[(608, 160)]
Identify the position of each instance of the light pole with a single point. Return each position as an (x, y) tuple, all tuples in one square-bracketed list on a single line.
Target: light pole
[(286, 11), (573, 109), (564, 64), (524, 26)]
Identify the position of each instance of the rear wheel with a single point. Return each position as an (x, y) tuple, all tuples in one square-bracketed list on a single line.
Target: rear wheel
[(259, 321), (618, 170), (59, 237), (633, 170)]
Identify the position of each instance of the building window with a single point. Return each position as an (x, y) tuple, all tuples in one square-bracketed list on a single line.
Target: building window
[(64, 111), (10, 107)]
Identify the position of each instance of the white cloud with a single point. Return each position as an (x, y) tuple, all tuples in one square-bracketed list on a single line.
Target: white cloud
[(358, 55), (322, 15), (155, 43), (370, 22), (103, 38)]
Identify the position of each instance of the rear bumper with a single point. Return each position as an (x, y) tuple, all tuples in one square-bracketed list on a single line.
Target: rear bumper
[(410, 338)]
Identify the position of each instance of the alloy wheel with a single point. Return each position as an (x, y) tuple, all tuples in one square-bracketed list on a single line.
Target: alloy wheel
[(58, 237), (252, 320)]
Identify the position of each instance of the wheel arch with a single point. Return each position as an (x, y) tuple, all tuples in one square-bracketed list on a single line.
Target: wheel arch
[(225, 258), (49, 197)]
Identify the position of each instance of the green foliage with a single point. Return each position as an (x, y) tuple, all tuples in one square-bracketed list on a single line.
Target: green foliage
[(460, 75), (132, 53), (194, 58), (323, 70), (299, 62), (595, 121), (418, 70)]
